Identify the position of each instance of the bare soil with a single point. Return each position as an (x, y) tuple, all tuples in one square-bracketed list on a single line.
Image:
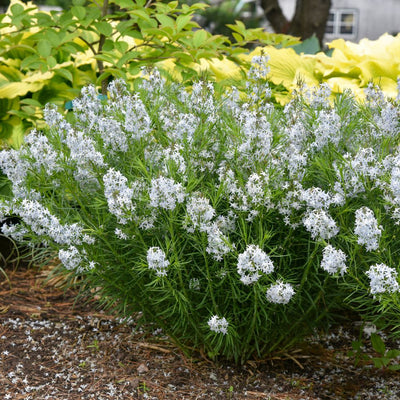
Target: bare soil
[(52, 348)]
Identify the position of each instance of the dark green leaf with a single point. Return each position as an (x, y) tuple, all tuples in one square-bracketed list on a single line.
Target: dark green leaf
[(393, 353), (378, 344), (309, 46)]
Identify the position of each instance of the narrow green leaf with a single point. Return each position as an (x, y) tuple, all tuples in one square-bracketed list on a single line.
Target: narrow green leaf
[(106, 58), (44, 19)]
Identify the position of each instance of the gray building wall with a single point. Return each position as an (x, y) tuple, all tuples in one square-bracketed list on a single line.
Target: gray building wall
[(373, 17)]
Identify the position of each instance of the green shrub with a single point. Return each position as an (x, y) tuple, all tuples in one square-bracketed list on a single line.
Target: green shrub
[(235, 226), (49, 57)]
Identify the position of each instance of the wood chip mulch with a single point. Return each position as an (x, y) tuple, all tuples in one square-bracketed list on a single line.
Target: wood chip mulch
[(53, 348)]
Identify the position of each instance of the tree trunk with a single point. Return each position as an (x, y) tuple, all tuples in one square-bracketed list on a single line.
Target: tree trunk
[(310, 18), (274, 14)]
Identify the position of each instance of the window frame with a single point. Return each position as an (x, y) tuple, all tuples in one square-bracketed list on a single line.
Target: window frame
[(337, 23)]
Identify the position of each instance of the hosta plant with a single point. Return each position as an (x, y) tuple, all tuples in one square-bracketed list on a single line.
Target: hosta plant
[(235, 226)]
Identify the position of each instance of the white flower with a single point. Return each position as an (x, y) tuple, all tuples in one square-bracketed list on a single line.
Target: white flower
[(165, 193), (333, 261), (320, 224), (118, 195), (42, 152), (315, 197), (369, 328), (382, 279), (156, 260), (43, 223), (218, 325), (200, 211), (259, 67), (71, 258), (251, 263), (194, 284), (218, 243), (280, 293), (366, 228), (120, 234)]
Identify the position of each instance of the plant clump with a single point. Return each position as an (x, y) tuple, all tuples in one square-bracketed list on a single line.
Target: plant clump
[(235, 225)]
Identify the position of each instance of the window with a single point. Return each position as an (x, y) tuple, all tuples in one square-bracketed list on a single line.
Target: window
[(342, 22)]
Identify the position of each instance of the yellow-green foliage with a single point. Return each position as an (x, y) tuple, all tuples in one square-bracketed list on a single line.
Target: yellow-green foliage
[(350, 66), (49, 57)]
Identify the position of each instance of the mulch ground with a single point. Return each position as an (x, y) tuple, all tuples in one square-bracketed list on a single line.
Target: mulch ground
[(53, 348)]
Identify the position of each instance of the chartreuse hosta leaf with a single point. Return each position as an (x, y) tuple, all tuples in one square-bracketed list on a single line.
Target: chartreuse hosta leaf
[(354, 65), (30, 83)]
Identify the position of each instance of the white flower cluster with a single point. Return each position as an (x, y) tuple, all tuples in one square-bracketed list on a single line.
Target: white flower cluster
[(13, 164), (218, 243), (42, 152), (367, 229), (157, 261), (71, 258), (326, 129), (383, 279), (251, 263), (119, 196), (333, 260), (44, 224), (84, 156), (165, 193), (200, 212), (316, 198), (218, 325), (320, 224), (280, 293), (259, 68), (257, 137)]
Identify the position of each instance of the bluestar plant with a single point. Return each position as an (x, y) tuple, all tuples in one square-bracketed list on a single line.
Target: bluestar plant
[(234, 225)]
